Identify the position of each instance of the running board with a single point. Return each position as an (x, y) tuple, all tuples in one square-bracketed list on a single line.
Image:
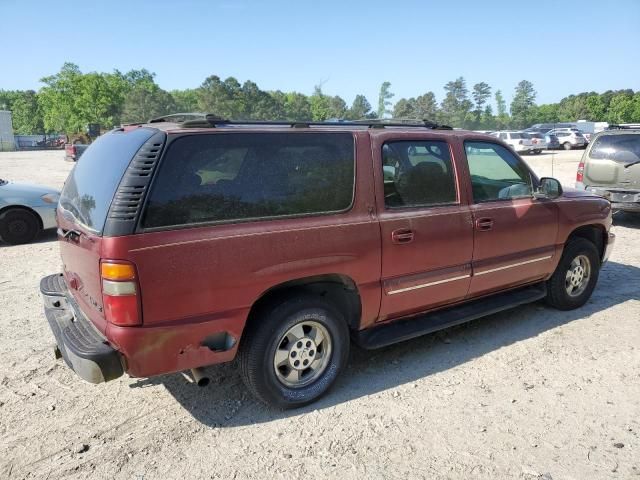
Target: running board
[(401, 330)]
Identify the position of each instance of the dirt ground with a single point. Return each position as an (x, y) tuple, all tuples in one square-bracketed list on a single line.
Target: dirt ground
[(530, 393)]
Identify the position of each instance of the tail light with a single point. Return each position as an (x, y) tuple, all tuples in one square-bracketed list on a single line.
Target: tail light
[(73, 149), (580, 173), (120, 293)]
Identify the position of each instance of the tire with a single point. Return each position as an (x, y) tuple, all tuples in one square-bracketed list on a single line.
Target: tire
[(19, 226), (537, 152), (577, 252), (258, 356), (566, 146)]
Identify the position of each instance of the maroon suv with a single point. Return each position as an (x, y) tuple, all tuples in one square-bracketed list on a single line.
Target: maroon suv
[(188, 244)]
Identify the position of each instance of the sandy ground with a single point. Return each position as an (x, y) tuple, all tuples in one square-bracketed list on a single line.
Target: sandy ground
[(530, 393)]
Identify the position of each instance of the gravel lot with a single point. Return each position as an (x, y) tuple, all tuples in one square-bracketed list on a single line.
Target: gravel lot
[(530, 393)]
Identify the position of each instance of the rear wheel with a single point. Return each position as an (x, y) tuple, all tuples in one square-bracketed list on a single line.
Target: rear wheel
[(537, 152), (576, 276), (18, 226), (295, 352), (566, 145)]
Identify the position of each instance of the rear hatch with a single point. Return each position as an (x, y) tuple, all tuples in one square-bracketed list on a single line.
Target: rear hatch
[(83, 209), (613, 161)]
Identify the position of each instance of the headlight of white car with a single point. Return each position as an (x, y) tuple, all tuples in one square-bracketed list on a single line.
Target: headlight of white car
[(50, 197)]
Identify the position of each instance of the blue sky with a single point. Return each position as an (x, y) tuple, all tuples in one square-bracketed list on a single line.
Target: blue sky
[(350, 46)]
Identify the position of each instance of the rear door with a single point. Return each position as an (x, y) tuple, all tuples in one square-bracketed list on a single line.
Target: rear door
[(425, 223), (514, 234)]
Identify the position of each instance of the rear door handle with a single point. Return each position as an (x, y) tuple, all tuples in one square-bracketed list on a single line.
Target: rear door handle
[(403, 235), (484, 224)]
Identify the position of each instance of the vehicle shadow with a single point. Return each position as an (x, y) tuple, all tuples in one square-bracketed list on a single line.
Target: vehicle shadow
[(627, 219), (227, 403), (45, 236)]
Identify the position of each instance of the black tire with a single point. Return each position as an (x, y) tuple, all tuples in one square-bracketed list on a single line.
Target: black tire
[(264, 337), (18, 226), (566, 146), (557, 294), (537, 152)]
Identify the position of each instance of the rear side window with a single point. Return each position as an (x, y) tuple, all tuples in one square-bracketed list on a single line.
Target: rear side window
[(624, 147), (418, 173), (234, 177), (91, 185)]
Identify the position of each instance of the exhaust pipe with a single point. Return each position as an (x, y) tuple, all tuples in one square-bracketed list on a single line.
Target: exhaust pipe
[(200, 377)]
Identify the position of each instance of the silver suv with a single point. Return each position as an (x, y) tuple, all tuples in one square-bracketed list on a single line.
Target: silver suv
[(610, 167)]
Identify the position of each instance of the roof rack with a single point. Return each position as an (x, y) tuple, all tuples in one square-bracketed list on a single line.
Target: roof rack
[(624, 126), (208, 120)]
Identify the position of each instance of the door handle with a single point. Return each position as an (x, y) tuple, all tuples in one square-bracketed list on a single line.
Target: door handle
[(484, 224), (404, 235)]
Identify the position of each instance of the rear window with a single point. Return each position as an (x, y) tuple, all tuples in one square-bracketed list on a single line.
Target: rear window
[(623, 147), (234, 177), (517, 135), (91, 185)]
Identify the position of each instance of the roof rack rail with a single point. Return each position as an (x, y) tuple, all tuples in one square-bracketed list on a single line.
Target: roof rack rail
[(624, 126), (208, 120)]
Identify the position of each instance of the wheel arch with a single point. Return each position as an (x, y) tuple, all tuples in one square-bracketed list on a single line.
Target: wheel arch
[(338, 289), (595, 233)]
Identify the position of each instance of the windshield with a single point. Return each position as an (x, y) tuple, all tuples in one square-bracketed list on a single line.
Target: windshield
[(88, 191), (624, 148)]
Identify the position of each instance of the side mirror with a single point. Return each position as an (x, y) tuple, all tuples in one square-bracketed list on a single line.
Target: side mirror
[(548, 188)]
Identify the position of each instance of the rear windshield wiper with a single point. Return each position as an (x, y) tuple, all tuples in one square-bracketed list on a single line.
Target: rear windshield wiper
[(632, 163)]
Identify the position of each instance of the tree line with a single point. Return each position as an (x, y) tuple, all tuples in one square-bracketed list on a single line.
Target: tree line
[(69, 100)]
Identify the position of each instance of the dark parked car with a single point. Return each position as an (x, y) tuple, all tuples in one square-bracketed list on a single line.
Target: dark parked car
[(552, 141), (187, 244), (73, 152)]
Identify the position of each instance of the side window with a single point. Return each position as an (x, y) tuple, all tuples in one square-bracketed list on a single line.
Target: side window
[(232, 177), (418, 173), (503, 136), (496, 174)]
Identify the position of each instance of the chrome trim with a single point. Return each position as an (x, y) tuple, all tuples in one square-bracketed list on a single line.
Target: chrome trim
[(430, 284), (513, 265)]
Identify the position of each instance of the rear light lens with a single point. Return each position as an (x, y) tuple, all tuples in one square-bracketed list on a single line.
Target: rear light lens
[(580, 173), (120, 293)]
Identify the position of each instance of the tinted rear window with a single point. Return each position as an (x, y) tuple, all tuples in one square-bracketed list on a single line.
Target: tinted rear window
[(89, 189), (233, 177), (623, 147), (517, 135)]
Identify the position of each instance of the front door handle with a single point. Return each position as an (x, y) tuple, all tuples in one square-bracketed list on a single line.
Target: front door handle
[(484, 224), (401, 236)]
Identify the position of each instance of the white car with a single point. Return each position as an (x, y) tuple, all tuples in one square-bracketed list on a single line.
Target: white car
[(519, 141), (569, 138)]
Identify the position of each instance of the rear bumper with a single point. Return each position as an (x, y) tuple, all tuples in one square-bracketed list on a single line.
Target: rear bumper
[(83, 348), (621, 199)]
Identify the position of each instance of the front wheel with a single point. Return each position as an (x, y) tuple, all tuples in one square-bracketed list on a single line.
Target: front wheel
[(18, 226), (576, 276), (295, 351)]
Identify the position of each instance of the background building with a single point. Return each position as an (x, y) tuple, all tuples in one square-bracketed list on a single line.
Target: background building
[(7, 141)]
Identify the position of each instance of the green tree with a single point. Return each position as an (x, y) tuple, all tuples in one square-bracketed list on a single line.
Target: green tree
[(143, 102), (185, 100), (297, 107), (502, 119), (26, 116), (621, 109), (481, 93), (320, 105), (57, 100), (360, 108), (522, 104), (456, 104), (384, 99), (337, 107), (405, 108)]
